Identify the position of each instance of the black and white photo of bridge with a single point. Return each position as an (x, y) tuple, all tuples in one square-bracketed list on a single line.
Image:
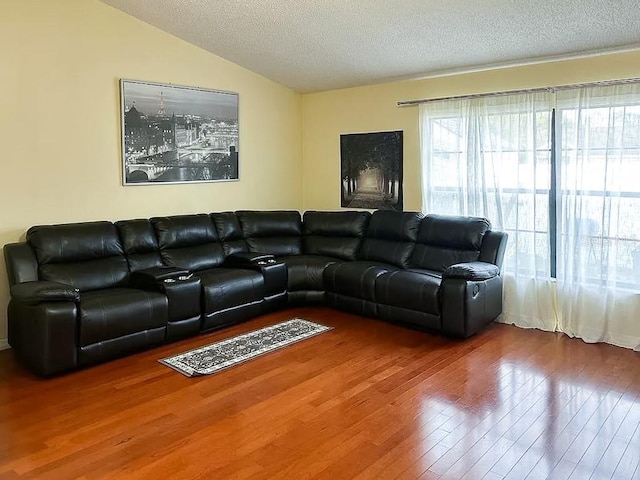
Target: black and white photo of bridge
[(175, 134), (371, 170)]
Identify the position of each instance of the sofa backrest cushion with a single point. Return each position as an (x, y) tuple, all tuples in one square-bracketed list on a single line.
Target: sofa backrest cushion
[(229, 232), (87, 256), (278, 232), (188, 241), (390, 237), (139, 243), (333, 234), (444, 240)]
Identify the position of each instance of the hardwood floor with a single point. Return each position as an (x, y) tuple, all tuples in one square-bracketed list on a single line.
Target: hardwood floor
[(367, 400)]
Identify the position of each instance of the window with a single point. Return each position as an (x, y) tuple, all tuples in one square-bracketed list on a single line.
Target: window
[(493, 159), (599, 177), (581, 215)]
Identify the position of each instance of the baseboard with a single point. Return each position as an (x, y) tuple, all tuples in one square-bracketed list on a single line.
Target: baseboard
[(4, 344)]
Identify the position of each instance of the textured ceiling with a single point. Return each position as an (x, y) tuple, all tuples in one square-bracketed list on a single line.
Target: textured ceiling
[(327, 44)]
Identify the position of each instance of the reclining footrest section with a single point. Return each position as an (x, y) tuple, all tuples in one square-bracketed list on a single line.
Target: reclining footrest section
[(117, 321), (183, 291), (351, 286), (409, 297), (230, 295)]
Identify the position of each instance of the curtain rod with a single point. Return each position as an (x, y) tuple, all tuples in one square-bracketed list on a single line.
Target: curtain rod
[(408, 103)]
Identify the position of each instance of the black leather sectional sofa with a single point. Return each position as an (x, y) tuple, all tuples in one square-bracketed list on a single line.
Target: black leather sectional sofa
[(84, 293)]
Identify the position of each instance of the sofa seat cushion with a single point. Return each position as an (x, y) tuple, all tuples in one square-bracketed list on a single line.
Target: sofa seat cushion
[(410, 289), (355, 279), (224, 288), (116, 312), (305, 271)]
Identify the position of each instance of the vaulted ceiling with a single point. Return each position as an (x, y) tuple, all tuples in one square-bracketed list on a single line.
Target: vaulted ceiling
[(318, 45)]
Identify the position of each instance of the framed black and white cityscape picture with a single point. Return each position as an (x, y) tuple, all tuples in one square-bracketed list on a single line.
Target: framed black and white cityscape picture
[(175, 134), (371, 170)]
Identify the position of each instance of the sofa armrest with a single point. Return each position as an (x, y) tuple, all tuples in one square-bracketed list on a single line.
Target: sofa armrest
[(42, 326), (181, 287), (44, 291), (468, 305), (472, 271), (158, 274), (249, 260), (154, 278)]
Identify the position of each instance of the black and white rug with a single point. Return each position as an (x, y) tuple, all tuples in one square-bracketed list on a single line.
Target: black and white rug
[(227, 353)]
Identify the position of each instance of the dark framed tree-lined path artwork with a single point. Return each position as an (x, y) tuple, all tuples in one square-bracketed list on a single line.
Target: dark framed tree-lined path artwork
[(174, 134), (371, 170)]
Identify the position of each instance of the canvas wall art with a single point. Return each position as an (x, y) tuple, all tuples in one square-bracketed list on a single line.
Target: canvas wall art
[(174, 134), (371, 170)]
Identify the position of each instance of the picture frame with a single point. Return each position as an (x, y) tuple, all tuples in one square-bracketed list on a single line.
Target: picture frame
[(371, 168), (177, 134)]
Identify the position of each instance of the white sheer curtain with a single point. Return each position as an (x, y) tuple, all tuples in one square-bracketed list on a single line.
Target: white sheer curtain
[(492, 157), (599, 214)]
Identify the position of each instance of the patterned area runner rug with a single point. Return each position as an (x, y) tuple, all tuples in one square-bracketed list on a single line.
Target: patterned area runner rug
[(227, 353)]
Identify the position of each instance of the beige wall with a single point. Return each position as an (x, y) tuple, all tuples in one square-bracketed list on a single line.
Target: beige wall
[(60, 65), (373, 108)]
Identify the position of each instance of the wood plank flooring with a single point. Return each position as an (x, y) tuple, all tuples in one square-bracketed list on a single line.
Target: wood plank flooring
[(367, 400)]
